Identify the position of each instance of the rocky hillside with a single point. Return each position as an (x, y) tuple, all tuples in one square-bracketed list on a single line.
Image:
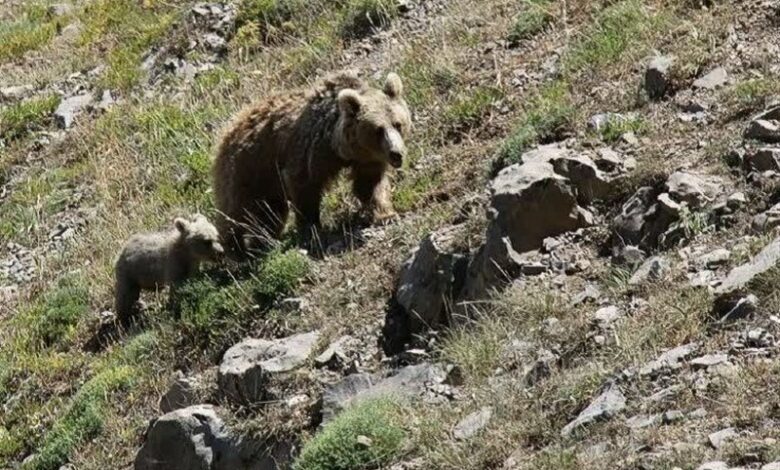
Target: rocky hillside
[(582, 275)]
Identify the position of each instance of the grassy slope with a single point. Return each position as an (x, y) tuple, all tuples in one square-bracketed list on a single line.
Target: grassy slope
[(147, 160)]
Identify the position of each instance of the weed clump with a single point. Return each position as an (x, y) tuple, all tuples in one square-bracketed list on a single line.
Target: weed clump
[(339, 446)]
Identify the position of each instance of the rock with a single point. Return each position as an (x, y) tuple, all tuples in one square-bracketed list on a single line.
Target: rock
[(60, 9), (529, 202), (669, 360), (605, 316), (197, 438), (472, 424), (70, 108), (581, 171), (713, 466), (764, 131), (338, 351), (741, 276), (340, 395), (247, 367), (698, 413), (187, 439), (767, 220), (772, 466), (629, 255), (709, 360), (643, 421), (15, 93), (657, 77), (610, 161), (693, 189), (540, 369), (181, 393), (600, 121), (702, 278), (763, 159), (591, 293), (672, 416), (718, 439), (408, 382), (653, 269), (607, 405), (734, 306), (429, 280), (715, 258), (712, 80)]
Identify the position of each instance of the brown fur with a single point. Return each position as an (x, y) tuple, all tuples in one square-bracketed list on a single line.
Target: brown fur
[(291, 147), (158, 259)]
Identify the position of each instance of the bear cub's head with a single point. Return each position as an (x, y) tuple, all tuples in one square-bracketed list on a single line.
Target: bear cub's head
[(200, 238), (377, 121)]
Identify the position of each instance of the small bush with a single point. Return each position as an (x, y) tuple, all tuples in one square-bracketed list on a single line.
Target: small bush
[(215, 309), (56, 315), (364, 16), (469, 108), (337, 447), (535, 17), (616, 126), (82, 421), (20, 118), (750, 95), (549, 115)]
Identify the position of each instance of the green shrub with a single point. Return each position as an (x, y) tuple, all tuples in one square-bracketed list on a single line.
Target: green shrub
[(337, 447), (549, 114), (20, 118), (533, 19), (83, 419), (469, 108), (616, 126), (363, 16), (55, 317)]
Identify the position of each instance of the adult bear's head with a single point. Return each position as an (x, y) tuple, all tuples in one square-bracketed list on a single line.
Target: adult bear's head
[(376, 122)]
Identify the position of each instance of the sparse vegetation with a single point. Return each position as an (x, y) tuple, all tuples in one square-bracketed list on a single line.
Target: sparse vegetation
[(533, 18), (26, 116), (367, 435)]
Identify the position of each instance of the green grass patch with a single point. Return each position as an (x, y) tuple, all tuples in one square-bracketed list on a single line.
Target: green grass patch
[(413, 189), (216, 309), (617, 125), (34, 29), (55, 317), (339, 447), (83, 419), (549, 115), (131, 28), (536, 15), (469, 107), (750, 95), (621, 28), (424, 79), (21, 118)]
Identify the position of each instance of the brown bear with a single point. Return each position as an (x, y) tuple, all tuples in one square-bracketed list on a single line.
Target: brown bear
[(289, 148), (158, 259)]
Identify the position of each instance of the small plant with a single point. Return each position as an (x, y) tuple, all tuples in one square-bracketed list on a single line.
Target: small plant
[(33, 30), (363, 16), (470, 107), (270, 17), (19, 119), (534, 18), (548, 116), (617, 125), (365, 436), (55, 317), (750, 95), (82, 420)]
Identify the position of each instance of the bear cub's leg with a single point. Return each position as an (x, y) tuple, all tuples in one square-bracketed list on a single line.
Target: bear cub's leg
[(371, 186)]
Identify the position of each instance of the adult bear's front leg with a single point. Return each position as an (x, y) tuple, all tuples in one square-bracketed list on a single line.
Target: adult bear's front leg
[(307, 217), (371, 185)]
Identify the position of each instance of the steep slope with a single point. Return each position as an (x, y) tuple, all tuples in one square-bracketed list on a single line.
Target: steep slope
[(545, 347)]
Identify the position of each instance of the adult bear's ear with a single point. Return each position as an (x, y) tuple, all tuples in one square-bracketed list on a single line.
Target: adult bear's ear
[(393, 86), (349, 102), (181, 225)]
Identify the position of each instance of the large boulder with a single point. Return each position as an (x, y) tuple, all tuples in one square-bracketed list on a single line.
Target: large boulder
[(582, 172), (430, 278), (196, 438), (693, 189), (247, 368), (193, 438)]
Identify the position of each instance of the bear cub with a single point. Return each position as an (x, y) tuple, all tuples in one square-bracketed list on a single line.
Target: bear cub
[(154, 260)]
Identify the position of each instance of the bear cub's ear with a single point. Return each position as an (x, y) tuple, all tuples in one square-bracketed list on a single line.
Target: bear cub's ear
[(181, 225), (393, 86), (349, 102)]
